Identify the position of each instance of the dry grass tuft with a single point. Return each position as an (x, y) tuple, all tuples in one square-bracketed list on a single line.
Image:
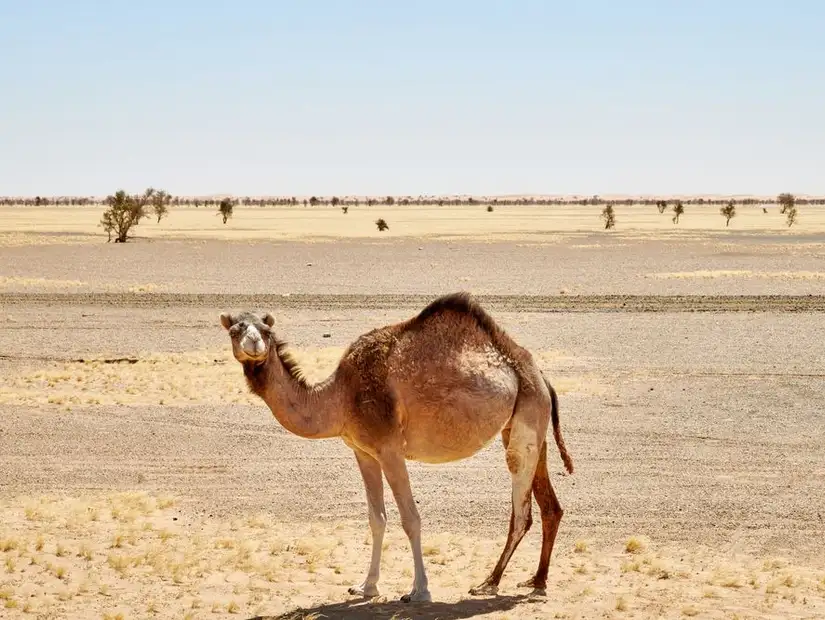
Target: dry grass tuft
[(135, 561), (635, 544)]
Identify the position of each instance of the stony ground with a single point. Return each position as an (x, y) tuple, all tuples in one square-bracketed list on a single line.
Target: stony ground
[(141, 479)]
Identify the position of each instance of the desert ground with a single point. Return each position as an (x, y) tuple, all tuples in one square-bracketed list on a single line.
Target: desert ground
[(141, 479)]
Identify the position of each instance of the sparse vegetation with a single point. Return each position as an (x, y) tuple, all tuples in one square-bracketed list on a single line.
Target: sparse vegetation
[(226, 208), (124, 213), (678, 211), (489, 208), (382, 225), (609, 217), (160, 204), (785, 202), (790, 215), (661, 205), (344, 209), (728, 212), (634, 544)]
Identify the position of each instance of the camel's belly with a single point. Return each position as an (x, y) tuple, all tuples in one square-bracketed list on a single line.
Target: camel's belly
[(453, 414)]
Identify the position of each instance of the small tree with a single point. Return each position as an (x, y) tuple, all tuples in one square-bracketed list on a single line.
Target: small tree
[(661, 205), (160, 204), (728, 211), (345, 209), (678, 210), (786, 201), (790, 215), (124, 212), (382, 225), (225, 208), (609, 217)]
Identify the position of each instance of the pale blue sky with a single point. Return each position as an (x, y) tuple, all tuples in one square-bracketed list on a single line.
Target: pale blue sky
[(409, 97)]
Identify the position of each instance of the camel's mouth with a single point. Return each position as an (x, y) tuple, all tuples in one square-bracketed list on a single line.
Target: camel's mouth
[(253, 346)]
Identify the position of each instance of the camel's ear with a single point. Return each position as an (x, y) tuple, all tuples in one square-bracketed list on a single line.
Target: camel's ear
[(269, 319), (226, 320)]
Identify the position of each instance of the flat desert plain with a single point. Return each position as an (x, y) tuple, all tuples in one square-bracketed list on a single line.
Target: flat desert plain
[(141, 479)]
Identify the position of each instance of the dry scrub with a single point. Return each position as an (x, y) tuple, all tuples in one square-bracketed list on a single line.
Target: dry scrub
[(137, 555), (178, 379)]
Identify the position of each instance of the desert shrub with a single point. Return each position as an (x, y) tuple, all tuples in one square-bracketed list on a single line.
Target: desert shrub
[(489, 208), (225, 209), (124, 212), (785, 201), (160, 204), (728, 211), (345, 209), (678, 211), (609, 217), (389, 201), (790, 215), (382, 225), (661, 205)]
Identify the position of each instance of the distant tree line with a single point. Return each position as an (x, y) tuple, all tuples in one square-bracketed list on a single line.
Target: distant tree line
[(336, 201)]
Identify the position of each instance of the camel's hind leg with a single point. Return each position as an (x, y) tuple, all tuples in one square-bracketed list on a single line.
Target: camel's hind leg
[(521, 441), (551, 513)]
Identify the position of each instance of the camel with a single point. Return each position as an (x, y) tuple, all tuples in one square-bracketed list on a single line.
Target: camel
[(435, 388)]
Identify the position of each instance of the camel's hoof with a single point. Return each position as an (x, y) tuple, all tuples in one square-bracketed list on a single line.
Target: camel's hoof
[(539, 589), (485, 589), (364, 590), (417, 597)]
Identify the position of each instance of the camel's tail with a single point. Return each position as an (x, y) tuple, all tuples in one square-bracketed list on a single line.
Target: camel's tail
[(554, 416)]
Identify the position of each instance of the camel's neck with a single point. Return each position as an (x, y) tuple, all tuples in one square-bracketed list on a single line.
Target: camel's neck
[(311, 411)]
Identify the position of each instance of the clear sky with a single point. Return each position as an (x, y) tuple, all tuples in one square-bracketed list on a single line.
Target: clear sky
[(408, 97)]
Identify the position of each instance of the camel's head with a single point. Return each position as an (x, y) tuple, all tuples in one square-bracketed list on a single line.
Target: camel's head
[(250, 335)]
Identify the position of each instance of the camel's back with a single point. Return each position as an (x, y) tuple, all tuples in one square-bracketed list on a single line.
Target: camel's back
[(455, 380)]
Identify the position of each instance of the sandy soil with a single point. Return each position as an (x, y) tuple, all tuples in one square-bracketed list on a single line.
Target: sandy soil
[(141, 479)]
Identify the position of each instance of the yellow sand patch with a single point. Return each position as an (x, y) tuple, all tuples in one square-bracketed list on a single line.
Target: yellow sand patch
[(15, 281), (135, 554), (19, 239), (178, 379), (467, 222), (741, 273)]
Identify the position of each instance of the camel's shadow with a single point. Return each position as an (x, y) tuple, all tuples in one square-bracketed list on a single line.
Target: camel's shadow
[(360, 609)]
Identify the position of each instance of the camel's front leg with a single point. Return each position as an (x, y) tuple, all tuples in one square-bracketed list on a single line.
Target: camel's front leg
[(374, 485), (395, 469)]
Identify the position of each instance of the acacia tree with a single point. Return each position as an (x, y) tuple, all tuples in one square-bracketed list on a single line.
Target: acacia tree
[(160, 204), (124, 212), (609, 217), (225, 208), (678, 210), (785, 201), (728, 211)]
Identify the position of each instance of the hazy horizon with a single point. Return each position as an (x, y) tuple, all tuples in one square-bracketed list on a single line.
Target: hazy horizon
[(370, 98)]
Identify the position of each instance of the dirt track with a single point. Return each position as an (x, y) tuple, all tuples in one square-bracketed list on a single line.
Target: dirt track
[(502, 303)]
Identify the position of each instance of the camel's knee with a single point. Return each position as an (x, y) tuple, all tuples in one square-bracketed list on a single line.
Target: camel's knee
[(520, 456), (378, 522)]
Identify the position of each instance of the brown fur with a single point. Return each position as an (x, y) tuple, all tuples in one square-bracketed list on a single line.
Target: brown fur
[(435, 388)]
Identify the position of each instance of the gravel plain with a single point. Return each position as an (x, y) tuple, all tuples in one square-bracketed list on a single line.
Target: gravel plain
[(692, 404)]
